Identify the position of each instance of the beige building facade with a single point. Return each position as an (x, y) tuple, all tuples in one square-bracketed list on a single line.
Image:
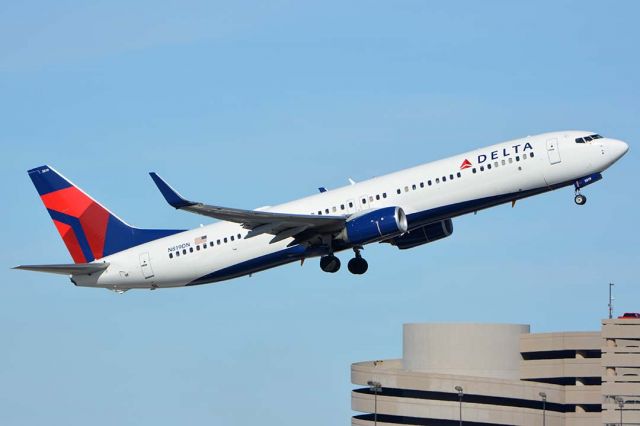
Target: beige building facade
[(501, 374)]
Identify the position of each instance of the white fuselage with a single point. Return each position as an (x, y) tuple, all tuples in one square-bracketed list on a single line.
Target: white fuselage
[(497, 174)]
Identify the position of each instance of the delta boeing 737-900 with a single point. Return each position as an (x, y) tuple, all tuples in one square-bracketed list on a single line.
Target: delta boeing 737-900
[(405, 209)]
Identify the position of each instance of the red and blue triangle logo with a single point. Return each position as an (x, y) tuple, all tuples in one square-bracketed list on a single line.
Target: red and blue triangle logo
[(465, 164)]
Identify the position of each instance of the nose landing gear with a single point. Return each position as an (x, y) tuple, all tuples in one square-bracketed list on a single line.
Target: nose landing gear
[(580, 199), (357, 265)]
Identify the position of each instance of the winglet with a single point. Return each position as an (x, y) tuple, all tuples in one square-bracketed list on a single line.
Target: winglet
[(170, 194)]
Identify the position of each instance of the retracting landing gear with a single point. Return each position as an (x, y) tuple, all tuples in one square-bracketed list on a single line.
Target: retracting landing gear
[(357, 265), (329, 263)]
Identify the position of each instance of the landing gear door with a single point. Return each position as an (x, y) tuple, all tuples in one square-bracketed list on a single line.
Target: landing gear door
[(145, 265), (553, 151)]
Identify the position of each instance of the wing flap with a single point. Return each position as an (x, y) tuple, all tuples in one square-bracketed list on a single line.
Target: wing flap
[(66, 268)]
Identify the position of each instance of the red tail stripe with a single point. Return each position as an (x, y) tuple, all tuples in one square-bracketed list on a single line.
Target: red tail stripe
[(70, 240)]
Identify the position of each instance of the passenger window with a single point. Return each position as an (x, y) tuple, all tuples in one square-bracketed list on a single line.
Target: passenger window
[(320, 212), (350, 204), (184, 251), (459, 174), (333, 209), (239, 236), (384, 195), (444, 178), (495, 164), (474, 170), (364, 201), (198, 248), (377, 196), (204, 246), (437, 180), (190, 249), (531, 154), (218, 242), (451, 177), (482, 168), (371, 198), (421, 184), (341, 206), (177, 253), (510, 160), (211, 244), (170, 255), (225, 240), (429, 183), (406, 189), (517, 158), (524, 156), (414, 187), (503, 162), (399, 192), (326, 211), (489, 166)]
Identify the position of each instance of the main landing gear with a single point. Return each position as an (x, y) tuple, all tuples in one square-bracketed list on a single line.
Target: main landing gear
[(357, 265)]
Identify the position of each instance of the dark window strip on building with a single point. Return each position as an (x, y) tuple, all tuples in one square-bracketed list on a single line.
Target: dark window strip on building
[(470, 398), (564, 354), (405, 420)]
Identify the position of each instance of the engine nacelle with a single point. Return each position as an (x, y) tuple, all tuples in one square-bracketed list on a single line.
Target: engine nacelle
[(374, 225), (426, 234)]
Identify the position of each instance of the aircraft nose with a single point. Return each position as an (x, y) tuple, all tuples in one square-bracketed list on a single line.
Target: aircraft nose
[(618, 148)]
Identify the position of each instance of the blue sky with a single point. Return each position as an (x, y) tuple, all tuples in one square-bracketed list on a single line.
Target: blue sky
[(254, 103)]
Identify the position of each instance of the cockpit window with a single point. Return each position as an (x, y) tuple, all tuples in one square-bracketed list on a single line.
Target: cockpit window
[(588, 138)]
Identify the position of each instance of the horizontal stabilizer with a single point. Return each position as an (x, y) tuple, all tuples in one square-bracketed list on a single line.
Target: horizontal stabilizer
[(67, 268)]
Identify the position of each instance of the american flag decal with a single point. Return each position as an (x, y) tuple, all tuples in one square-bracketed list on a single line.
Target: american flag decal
[(200, 240)]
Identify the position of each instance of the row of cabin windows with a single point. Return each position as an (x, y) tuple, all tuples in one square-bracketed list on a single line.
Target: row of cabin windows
[(204, 245), (504, 162), (430, 182)]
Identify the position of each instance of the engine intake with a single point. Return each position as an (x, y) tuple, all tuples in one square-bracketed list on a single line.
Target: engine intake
[(374, 225), (426, 234)]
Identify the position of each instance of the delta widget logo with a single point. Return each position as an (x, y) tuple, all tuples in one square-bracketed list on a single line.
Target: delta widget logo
[(465, 164)]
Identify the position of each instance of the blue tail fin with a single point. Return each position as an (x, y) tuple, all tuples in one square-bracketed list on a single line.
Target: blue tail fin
[(89, 230)]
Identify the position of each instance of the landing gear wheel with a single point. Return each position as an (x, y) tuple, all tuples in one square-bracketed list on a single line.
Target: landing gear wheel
[(580, 199), (358, 265), (329, 263)]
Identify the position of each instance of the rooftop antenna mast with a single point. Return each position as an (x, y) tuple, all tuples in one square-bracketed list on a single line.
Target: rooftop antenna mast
[(610, 301)]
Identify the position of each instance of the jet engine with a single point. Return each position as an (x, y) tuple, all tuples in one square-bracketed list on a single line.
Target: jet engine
[(374, 225), (426, 234)]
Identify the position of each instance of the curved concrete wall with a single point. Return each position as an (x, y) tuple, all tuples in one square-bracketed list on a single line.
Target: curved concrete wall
[(480, 350)]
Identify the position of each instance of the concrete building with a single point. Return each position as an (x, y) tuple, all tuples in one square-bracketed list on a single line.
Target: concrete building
[(501, 374)]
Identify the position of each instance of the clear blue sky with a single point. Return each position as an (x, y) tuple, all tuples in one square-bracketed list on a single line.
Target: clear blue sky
[(256, 103)]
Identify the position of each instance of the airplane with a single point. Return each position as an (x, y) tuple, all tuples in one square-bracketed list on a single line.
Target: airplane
[(405, 209)]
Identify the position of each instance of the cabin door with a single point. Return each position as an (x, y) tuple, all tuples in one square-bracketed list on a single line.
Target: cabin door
[(553, 151), (145, 265)]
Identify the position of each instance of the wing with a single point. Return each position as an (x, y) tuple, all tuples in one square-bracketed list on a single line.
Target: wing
[(281, 225), (67, 269)]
